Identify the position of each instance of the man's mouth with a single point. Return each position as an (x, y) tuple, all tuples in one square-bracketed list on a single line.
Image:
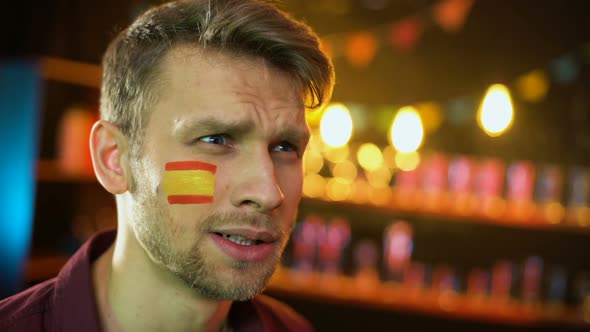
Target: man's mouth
[(246, 244), (239, 239)]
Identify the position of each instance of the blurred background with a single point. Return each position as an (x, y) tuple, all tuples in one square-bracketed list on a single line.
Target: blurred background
[(447, 185)]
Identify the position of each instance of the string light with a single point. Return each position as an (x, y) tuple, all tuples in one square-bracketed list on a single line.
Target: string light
[(496, 112), (407, 130), (336, 125)]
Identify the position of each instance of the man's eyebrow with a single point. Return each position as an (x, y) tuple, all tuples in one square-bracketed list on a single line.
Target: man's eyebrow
[(212, 125), (296, 136)]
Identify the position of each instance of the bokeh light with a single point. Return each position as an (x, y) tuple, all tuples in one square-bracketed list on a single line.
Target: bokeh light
[(533, 86), (314, 186), (315, 142), (407, 161), (361, 47), (360, 191), (312, 162), (407, 130), (554, 213), (369, 156), (336, 155), (496, 112), (564, 69), (380, 177), (336, 125), (338, 189), (345, 170)]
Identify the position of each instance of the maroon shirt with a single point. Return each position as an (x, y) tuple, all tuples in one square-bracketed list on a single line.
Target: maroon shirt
[(66, 303)]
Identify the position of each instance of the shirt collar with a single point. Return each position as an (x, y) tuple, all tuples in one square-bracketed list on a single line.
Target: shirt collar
[(75, 302)]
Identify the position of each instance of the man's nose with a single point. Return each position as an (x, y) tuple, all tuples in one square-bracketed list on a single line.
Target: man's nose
[(256, 186)]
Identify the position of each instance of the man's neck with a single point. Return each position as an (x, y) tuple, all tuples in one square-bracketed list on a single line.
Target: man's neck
[(133, 294)]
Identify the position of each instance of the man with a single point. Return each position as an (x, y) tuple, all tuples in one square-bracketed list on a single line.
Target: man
[(201, 138)]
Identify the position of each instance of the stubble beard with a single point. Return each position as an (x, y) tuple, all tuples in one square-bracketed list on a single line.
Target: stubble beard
[(157, 233)]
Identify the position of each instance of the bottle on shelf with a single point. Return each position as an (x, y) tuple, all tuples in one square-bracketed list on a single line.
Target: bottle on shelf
[(73, 147)]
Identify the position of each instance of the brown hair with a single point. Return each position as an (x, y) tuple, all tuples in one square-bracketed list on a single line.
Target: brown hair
[(240, 27)]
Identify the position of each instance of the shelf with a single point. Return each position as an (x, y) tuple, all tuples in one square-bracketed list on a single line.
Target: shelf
[(67, 71), (352, 291)]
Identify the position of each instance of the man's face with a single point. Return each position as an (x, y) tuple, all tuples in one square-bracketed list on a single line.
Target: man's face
[(247, 119)]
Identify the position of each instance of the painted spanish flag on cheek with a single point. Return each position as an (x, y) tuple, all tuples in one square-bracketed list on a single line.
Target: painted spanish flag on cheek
[(189, 182)]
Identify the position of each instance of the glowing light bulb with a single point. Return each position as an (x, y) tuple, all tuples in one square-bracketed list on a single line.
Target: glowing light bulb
[(496, 112), (407, 130), (336, 125)]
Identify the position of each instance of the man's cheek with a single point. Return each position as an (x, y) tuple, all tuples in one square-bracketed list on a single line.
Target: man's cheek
[(189, 182)]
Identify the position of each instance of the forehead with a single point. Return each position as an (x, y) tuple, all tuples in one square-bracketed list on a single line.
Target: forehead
[(220, 69), (193, 78)]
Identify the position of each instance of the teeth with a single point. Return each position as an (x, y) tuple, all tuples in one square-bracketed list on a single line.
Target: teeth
[(239, 240)]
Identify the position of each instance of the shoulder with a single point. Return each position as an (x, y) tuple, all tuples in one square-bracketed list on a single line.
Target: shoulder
[(27, 309), (286, 316)]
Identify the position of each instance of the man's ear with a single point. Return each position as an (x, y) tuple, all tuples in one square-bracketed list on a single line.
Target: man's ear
[(107, 147)]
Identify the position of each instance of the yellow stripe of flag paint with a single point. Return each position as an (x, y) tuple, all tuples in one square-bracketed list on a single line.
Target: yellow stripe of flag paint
[(189, 182)]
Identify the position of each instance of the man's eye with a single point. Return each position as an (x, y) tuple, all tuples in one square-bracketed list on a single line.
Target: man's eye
[(214, 139), (286, 147)]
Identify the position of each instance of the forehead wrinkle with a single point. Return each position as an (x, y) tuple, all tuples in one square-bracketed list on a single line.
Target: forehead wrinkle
[(282, 116)]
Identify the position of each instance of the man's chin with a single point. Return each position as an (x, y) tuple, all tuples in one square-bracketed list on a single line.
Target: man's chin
[(238, 281), (232, 291)]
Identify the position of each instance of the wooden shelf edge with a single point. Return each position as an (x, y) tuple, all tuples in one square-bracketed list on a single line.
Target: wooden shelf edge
[(348, 290), (342, 289), (68, 71)]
